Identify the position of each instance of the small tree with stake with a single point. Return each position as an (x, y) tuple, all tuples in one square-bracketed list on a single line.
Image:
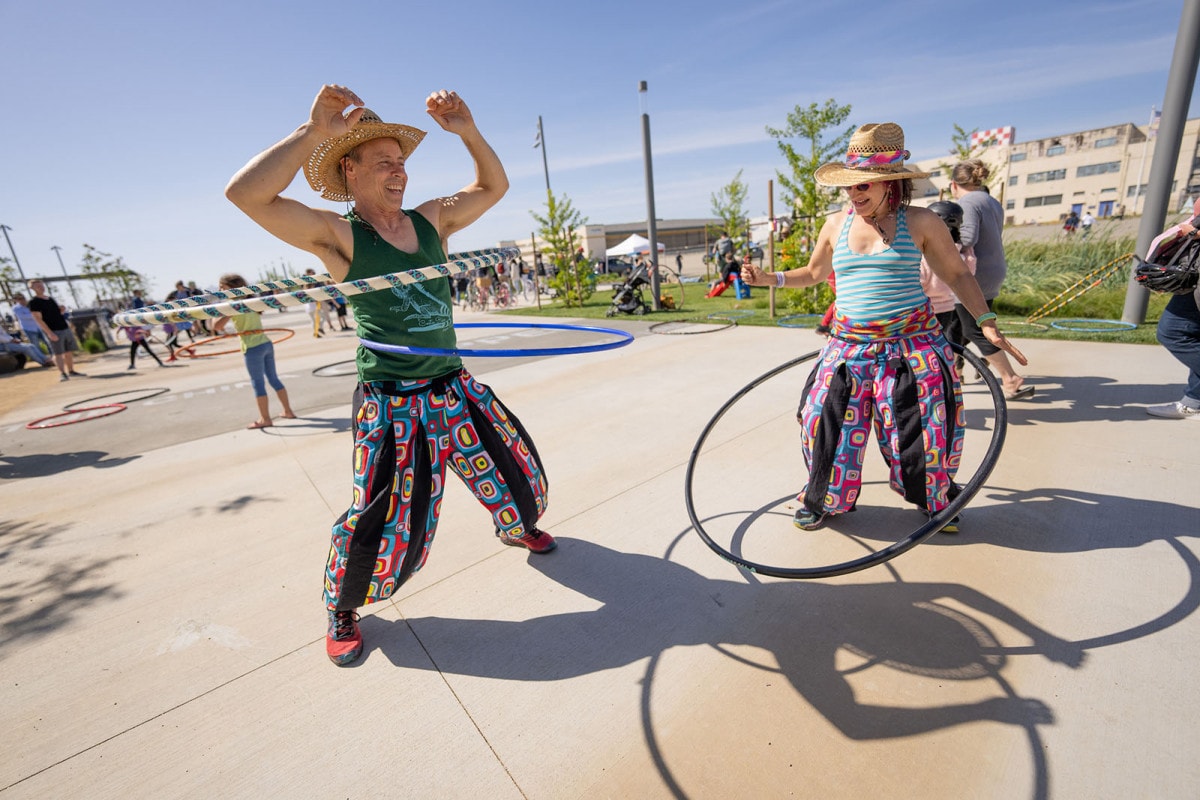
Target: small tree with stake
[(573, 279)]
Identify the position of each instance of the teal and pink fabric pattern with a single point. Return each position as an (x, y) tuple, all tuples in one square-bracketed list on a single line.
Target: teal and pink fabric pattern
[(895, 376)]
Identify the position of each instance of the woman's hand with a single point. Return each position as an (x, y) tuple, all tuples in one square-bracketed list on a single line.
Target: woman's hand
[(997, 338)]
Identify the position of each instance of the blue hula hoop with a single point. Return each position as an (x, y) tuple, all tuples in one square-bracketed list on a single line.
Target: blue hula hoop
[(623, 339), (785, 322), (1117, 325)]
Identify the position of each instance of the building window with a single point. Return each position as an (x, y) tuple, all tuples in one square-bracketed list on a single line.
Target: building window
[(1046, 200), (1056, 150), (1048, 175), (1098, 169), (1107, 141), (1010, 204), (1013, 180), (1017, 157)]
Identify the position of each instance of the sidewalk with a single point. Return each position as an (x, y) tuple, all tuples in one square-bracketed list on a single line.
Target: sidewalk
[(163, 630)]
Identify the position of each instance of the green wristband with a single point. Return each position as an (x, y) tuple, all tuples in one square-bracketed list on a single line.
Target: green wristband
[(982, 318)]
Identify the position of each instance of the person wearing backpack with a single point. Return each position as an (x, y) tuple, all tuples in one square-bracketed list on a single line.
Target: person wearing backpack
[(1179, 326)]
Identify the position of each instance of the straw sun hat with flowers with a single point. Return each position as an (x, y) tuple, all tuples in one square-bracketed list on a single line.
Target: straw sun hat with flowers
[(323, 168), (875, 153)]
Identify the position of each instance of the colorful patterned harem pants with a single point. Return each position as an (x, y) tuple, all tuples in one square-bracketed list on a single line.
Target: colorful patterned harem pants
[(406, 434), (895, 375)]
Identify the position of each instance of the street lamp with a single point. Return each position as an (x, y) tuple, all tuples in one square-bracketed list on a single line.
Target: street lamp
[(651, 227), (16, 260), (58, 252)]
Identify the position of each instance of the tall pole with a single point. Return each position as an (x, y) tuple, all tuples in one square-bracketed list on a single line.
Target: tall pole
[(541, 142), (1180, 81), (771, 242), (16, 260), (651, 224), (1150, 133), (58, 252)]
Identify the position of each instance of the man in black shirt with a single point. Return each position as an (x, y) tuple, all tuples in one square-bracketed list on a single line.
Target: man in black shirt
[(62, 338)]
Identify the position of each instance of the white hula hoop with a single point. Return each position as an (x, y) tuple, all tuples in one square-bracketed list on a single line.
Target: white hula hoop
[(202, 308)]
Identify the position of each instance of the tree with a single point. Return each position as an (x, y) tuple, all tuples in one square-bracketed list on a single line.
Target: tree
[(729, 204), (111, 280), (573, 278), (801, 191)]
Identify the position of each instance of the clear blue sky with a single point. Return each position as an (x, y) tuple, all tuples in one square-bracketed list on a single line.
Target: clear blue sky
[(123, 121)]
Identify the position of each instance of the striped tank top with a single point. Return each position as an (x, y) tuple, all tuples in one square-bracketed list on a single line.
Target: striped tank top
[(878, 285)]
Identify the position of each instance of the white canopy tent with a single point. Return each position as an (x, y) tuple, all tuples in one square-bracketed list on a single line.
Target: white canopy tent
[(631, 246)]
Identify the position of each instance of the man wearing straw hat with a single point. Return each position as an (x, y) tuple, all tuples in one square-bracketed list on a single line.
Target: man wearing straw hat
[(414, 414), (886, 364)]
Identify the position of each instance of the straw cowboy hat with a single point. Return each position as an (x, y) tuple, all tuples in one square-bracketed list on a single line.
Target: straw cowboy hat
[(323, 166), (875, 153)]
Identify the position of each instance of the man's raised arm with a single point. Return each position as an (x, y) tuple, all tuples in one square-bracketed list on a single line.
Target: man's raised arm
[(256, 188)]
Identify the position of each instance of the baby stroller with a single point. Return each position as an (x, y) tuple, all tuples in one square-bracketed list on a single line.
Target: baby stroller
[(627, 298)]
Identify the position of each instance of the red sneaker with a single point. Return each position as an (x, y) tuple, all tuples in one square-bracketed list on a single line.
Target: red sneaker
[(344, 642), (536, 541)]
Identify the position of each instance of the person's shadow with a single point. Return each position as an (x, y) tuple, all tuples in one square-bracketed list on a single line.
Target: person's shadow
[(41, 465), (650, 605)]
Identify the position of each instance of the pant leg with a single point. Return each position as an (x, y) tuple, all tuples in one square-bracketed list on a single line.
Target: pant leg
[(385, 535), (1179, 332), (493, 454), (835, 423), (920, 420)]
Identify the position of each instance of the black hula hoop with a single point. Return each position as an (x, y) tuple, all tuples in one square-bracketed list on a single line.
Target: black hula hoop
[(932, 526), (729, 323), (1117, 324), (331, 371), (149, 393), (44, 422)]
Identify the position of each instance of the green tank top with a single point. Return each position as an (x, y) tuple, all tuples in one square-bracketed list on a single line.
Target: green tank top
[(415, 315)]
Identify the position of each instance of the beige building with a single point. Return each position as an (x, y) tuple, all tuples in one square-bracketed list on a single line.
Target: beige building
[(1104, 171)]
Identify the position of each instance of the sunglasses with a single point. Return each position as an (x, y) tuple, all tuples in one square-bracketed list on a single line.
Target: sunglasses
[(862, 187)]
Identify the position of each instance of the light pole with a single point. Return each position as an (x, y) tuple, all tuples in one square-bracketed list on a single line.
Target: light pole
[(58, 252), (16, 260), (651, 225)]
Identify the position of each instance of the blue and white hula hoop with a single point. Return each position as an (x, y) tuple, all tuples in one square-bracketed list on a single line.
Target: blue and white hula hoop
[(242, 301), (623, 339)]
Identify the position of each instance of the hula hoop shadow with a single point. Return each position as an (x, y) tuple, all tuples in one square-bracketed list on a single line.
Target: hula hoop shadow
[(58, 420), (789, 321), (932, 526), (624, 338)]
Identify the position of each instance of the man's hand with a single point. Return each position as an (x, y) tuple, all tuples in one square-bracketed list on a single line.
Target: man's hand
[(450, 112), (328, 110), (993, 335)]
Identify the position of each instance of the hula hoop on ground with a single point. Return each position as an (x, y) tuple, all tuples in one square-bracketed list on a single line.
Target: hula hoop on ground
[(932, 526), (188, 349), (148, 394), (713, 327), (624, 339), (317, 290), (332, 371), (1115, 325), (46, 422), (736, 313), (783, 321)]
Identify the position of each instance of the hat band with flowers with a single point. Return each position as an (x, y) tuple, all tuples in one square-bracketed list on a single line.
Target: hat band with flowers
[(324, 167), (875, 153)]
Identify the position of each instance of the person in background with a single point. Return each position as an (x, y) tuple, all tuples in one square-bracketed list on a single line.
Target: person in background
[(53, 323), (10, 345), (259, 355), (1179, 331), (29, 325)]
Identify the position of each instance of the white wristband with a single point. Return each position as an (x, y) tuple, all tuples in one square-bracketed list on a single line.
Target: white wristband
[(779, 279)]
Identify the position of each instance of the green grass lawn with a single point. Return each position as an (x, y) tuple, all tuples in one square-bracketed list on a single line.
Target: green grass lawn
[(696, 307)]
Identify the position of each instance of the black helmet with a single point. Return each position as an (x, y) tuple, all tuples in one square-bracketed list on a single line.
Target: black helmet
[(951, 214), (1174, 267)]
